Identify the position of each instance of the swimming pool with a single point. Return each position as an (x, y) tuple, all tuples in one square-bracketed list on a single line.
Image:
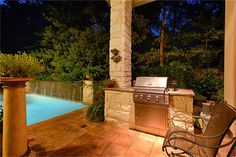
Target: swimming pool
[(40, 108)]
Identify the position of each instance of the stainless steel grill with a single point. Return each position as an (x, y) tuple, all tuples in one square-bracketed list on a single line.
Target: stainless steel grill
[(151, 99), (151, 90)]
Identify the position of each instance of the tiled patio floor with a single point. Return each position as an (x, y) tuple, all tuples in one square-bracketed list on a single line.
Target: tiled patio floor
[(73, 135)]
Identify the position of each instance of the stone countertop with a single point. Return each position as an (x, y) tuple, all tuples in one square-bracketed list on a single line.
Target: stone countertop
[(187, 92)]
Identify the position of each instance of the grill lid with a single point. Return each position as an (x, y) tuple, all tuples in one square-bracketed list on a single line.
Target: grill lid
[(151, 82)]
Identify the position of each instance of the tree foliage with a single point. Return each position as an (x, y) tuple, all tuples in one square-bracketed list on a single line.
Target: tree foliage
[(194, 32), (75, 43)]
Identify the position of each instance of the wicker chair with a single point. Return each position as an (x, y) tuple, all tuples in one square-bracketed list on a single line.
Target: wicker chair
[(179, 141)]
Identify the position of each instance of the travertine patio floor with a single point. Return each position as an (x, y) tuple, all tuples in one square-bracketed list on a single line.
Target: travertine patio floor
[(73, 134)]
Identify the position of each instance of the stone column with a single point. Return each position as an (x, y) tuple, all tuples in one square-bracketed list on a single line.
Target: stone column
[(120, 39), (88, 92), (230, 56), (14, 117)]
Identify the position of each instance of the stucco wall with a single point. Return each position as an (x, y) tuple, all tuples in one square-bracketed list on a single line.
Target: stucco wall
[(230, 55)]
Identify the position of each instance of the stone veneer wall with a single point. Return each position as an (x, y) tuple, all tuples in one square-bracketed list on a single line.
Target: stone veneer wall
[(180, 111), (183, 103), (119, 107)]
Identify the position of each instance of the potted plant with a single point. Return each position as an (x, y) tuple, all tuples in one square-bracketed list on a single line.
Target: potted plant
[(15, 71), (109, 83), (19, 65)]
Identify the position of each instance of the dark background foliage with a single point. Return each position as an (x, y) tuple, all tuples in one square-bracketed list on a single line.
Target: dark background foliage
[(71, 39)]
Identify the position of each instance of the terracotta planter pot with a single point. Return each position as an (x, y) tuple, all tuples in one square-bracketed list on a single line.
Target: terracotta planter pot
[(110, 86)]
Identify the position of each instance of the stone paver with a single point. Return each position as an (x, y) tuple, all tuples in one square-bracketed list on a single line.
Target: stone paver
[(73, 134)]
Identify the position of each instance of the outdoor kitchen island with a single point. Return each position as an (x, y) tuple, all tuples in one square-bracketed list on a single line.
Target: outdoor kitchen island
[(120, 108)]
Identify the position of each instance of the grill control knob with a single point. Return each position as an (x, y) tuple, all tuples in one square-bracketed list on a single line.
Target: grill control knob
[(149, 97), (141, 96), (157, 98)]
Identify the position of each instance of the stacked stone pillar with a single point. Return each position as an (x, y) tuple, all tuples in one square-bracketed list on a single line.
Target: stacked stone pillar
[(88, 92), (120, 39)]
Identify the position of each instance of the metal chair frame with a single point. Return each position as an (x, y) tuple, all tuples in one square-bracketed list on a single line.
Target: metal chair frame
[(176, 134)]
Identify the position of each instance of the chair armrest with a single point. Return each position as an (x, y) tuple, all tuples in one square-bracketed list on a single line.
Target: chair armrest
[(205, 145), (198, 135), (192, 138)]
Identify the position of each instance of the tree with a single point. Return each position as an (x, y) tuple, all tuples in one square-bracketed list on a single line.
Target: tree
[(162, 36), (75, 43), (202, 37), (193, 33)]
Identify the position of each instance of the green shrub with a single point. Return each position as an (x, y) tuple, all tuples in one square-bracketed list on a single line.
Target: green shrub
[(19, 65), (179, 72), (219, 97), (208, 85), (199, 97), (182, 73), (96, 111)]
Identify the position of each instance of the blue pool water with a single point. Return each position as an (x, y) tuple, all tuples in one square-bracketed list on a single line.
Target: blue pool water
[(40, 108)]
